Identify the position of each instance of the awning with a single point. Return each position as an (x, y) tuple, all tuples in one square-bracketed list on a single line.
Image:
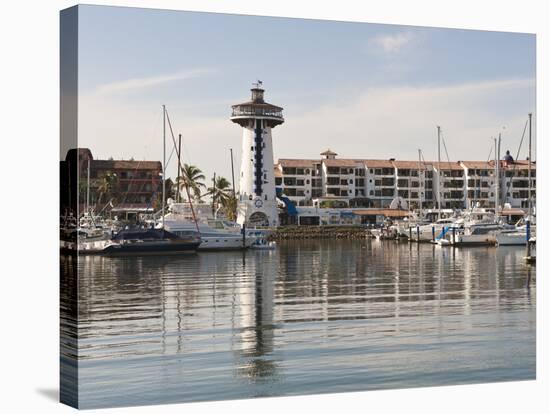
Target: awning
[(512, 212)]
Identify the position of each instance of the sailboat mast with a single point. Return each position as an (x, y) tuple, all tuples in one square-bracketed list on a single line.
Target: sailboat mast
[(214, 196), (179, 171), (163, 160), (232, 173), (88, 188), (530, 205), (419, 181), (438, 172), (497, 175)]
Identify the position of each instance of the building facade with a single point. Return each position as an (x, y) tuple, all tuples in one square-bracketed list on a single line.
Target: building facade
[(118, 185), (330, 181)]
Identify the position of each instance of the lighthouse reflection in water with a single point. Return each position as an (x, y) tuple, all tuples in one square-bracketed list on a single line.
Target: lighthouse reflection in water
[(309, 317)]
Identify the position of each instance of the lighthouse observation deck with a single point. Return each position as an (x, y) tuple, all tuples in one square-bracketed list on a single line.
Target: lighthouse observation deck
[(257, 108)]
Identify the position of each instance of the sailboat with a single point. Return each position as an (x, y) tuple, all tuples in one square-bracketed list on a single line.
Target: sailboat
[(147, 239)]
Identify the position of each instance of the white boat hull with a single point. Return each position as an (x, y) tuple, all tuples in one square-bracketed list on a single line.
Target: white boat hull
[(224, 243), (474, 240), (511, 239)]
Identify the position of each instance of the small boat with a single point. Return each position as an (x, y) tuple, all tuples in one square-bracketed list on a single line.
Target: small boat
[(429, 232), (511, 238), (258, 245), (261, 243), (477, 235)]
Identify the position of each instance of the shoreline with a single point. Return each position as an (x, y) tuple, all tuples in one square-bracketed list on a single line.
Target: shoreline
[(320, 232)]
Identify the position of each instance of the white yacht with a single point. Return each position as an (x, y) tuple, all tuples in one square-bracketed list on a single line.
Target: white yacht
[(216, 234), (429, 232), (478, 226)]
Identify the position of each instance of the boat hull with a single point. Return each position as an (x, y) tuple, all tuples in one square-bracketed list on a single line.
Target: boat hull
[(516, 239), (150, 248)]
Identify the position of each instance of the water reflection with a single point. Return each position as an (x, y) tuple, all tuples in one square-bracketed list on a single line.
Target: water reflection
[(312, 316)]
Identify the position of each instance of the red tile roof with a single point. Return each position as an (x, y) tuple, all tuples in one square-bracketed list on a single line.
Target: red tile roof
[(378, 163), (447, 165), (285, 162)]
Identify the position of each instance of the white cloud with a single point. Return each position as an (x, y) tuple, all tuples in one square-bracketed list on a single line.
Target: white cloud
[(394, 42), (397, 121), (140, 83)]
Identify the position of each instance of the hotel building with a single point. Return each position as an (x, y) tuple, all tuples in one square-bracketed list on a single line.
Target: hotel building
[(346, 183)]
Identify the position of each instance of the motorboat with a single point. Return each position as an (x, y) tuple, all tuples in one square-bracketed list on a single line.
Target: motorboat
[(432, 231), (150, 241)]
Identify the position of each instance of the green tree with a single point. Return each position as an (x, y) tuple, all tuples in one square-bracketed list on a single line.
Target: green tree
[(105, 187), (222, 194), (193, 178)]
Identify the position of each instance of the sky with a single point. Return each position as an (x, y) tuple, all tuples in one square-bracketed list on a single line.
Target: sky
[(363, 90)]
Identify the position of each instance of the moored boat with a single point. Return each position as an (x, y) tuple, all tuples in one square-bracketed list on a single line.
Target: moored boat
[(150, 241)]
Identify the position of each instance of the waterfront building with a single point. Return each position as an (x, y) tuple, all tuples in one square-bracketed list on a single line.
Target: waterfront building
[(380, 182), (480, 183), (449, 185), (257, 200), (333, 182), (515, 183), (120, 186)]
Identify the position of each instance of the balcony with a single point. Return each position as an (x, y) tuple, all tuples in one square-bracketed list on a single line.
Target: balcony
[(245, 111)]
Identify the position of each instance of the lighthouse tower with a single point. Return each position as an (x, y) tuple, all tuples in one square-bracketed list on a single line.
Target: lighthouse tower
[(257, 201)]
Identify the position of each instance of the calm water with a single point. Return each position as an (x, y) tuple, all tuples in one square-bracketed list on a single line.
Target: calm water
[(309, 317)]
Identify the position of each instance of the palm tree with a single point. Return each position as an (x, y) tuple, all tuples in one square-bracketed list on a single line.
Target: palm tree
[(192, 177), (223, 195), (230, 207), (105, 185)]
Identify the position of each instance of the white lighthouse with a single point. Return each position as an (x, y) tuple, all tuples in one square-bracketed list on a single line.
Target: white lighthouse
[(257, 203)]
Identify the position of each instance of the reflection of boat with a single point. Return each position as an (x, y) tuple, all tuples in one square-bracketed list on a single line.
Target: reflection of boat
[(150, 241)]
